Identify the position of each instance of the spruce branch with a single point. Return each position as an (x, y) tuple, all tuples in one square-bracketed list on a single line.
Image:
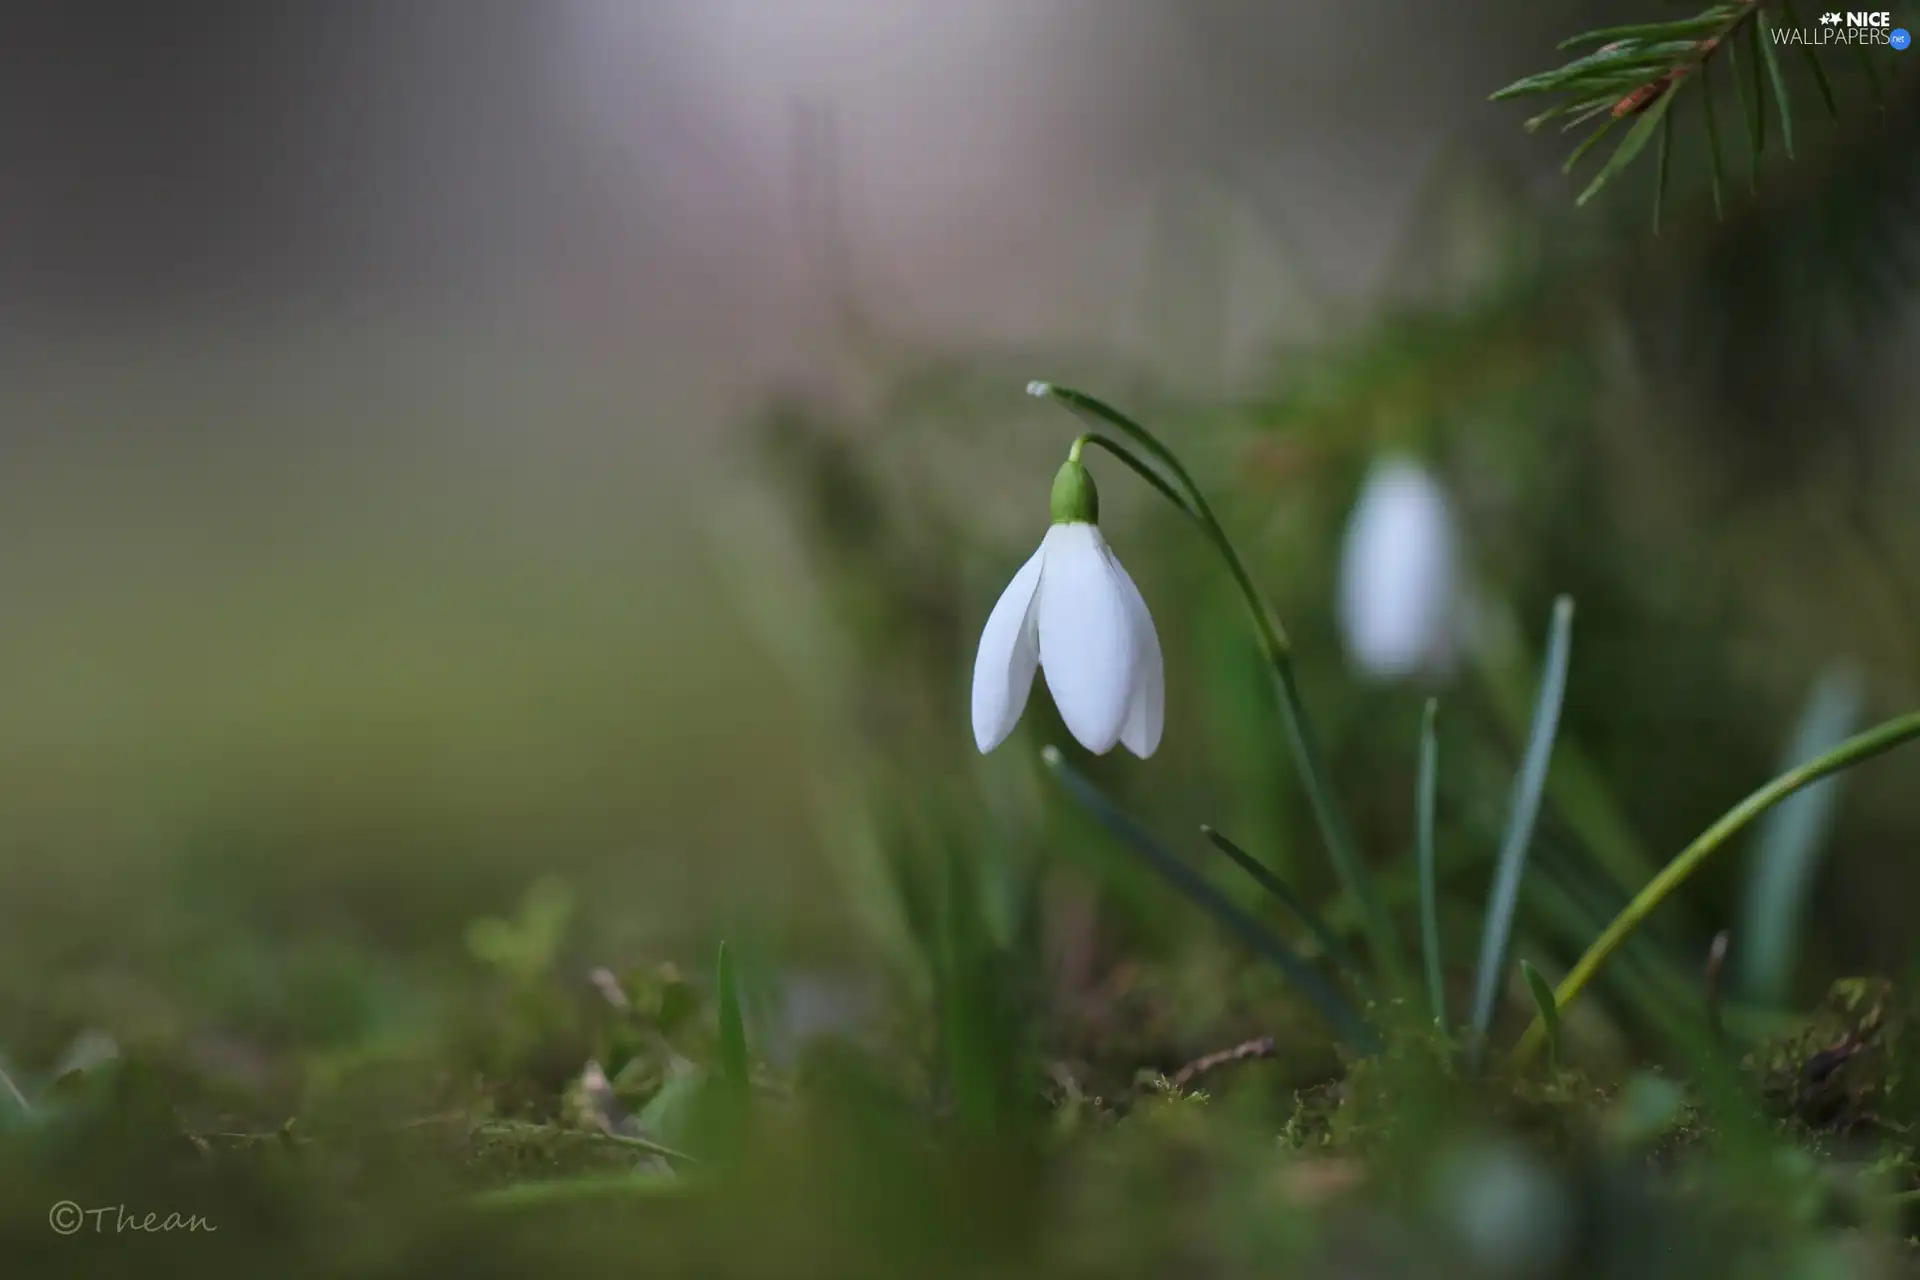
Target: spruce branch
[(1640, 70)]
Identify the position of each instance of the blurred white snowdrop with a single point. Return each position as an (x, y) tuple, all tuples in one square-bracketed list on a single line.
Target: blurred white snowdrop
[(1072, 613), (1399, 574)]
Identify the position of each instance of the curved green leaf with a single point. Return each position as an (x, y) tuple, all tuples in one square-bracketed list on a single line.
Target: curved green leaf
[(1862, 746)]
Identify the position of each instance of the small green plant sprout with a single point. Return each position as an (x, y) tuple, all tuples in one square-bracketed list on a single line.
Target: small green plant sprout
[(1542, 993), (523, 948), (1073, 613)]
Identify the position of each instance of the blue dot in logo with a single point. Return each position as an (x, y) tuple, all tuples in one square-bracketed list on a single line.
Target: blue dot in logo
[(1899, 38)]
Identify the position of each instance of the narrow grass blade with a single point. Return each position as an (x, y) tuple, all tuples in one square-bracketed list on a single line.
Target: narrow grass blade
[(1661, 167), (1580, 793), (1300, 908), (733, 1030), (1791, 841), (1779, 81), (1332, 1006), (1717, 166), (1862, 746), (1528, 783), (1631, 144), (1813, 61), (1426, 789), (1756, 100), (1549, 1012)]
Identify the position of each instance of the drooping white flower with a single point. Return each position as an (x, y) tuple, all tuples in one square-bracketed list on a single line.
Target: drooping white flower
[(1072, 613), (1399, 575)]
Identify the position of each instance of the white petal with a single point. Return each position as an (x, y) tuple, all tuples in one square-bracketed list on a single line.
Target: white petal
[(1147, 706), (1009, 651), (1398, 572), (1087, 649)]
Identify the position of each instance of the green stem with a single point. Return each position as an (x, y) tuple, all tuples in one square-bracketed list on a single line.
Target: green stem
[(1864, 746), (1334, 831)]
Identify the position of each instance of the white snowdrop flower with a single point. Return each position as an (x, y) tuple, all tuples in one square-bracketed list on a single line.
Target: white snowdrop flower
[(1073, 613), (1399, 573)]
